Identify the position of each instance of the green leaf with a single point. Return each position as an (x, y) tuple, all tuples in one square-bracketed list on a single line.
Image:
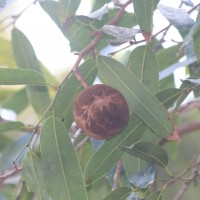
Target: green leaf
[(167, 57), (66, 179), (140, 100), (119, 194), (143, 63), (132, 164), (66, 9), (196, 42), (155, 3), (17, 102), (195, 73), (26, 59), (144, 13), (169, 96), (50, 7), (189, 37), (6, 126), (21, 77), (99, 189), (110, 153), (155, 196), (78, 32), (78, 29), (63, 103), (186, 89), (148, 151), (35, 175)]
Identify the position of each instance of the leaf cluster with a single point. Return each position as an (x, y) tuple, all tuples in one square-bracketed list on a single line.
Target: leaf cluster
[(57, 161)]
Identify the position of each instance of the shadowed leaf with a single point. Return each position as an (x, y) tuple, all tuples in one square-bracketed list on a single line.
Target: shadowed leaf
[(35, 175), (148, 151), (145, 177), (6, 126), (119, 194)]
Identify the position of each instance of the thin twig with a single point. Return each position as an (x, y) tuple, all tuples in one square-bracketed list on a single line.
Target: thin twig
[(194, 8), (170, 182), (20, 190), (15, 17), (81, 143), (117, 175), (93, 44), (186, 186), (13, 172)]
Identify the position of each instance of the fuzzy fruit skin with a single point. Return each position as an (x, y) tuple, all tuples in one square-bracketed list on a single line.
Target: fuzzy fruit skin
[(101, 111)]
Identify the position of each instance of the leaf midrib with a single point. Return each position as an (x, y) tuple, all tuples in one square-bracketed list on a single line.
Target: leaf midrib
[(135, 96)]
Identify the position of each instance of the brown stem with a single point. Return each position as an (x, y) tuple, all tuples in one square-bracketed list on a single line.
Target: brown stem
[(183, 130), (187, 128), (92, 45), (13, 172), (117, 175), (195, 7), (20, 190), (188, 107), (170, 182), (186, 186)]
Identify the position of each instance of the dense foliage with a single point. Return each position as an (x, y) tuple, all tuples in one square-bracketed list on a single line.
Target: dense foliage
[(49, 157)]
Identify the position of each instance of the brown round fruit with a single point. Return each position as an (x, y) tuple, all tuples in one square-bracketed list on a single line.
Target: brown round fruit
[(101, 111)]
